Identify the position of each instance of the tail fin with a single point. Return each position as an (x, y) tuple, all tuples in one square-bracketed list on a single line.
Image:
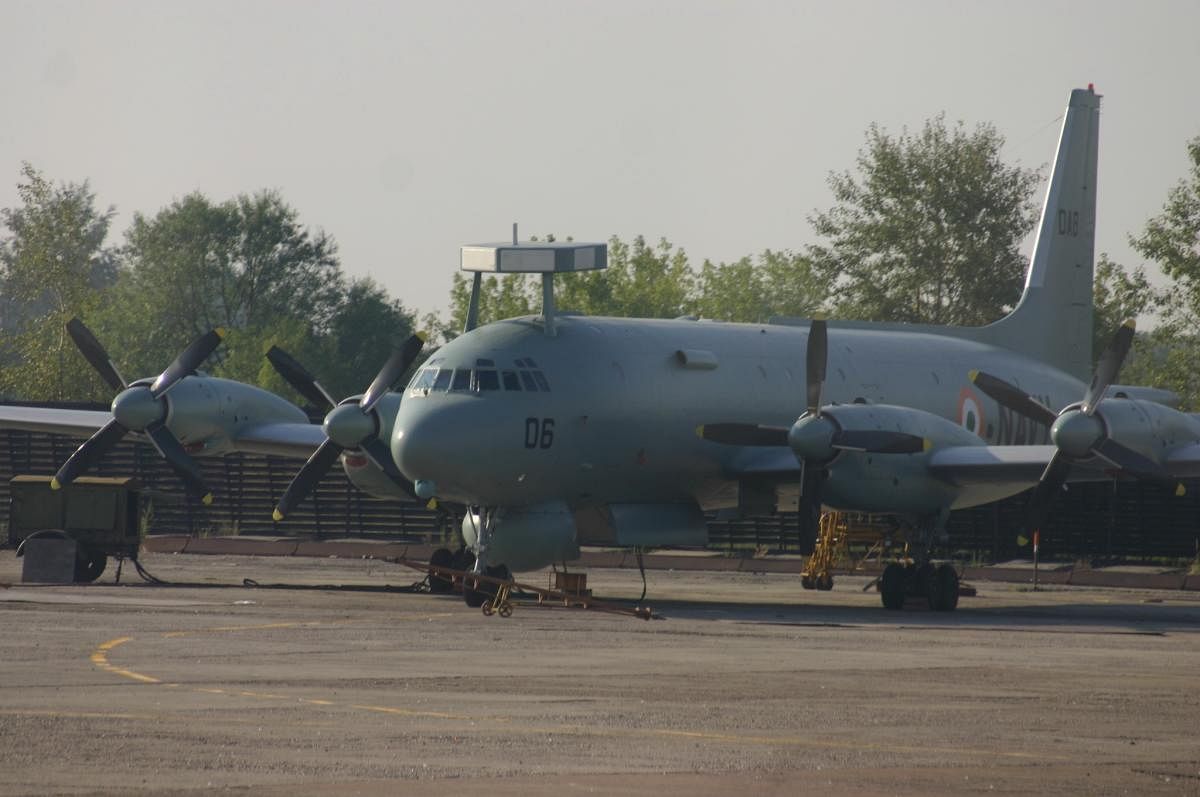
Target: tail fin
[(1053, 320)]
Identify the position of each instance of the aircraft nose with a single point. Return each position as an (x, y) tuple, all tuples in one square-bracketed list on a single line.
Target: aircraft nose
[(426, 441)]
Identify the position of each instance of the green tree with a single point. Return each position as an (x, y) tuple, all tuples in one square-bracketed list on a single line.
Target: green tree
[(364, 328), (245, 265), (53, 263), (926, 214), (1168, 356), (756, 289)]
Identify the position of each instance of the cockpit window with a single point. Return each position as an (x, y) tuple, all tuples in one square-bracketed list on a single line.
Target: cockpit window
[(486, 379), (425, 379), (527, 381), (442, 383), (462, 380), (510, 380), (541, 381)]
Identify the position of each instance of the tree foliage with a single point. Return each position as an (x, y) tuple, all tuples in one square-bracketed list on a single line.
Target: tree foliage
[(53, 265), (245, 265), (653, 281), (1167, 356), (926, 215), (754, 289)]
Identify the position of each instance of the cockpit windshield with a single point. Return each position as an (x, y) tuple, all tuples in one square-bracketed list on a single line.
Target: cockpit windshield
[(523, 376)]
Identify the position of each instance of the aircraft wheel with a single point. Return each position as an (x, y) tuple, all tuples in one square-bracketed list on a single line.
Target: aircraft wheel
[(893, 586), (945, 582), (488, 609), (825, 582), (440, 585), (506, 609), (807, 582), (926, 581), (89, 564)]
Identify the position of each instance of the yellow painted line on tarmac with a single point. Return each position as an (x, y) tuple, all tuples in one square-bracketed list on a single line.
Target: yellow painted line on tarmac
[(408, 712), (85, 715), (99, 658)]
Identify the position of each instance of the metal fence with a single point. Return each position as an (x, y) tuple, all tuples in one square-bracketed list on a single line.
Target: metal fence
[(1124, 520)]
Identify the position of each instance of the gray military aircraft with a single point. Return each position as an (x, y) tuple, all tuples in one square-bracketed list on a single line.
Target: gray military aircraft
[(559, 430)]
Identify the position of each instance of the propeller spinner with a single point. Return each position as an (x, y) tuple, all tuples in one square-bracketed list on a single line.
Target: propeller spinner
[(352, 423), (140, 407)]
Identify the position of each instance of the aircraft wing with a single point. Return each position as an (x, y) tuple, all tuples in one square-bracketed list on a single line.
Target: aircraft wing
[(964, 465), (1184, 462), (76, 423), (296, 440)]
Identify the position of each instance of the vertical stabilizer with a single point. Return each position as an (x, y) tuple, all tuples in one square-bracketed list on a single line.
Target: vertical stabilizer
[(1053, 320)]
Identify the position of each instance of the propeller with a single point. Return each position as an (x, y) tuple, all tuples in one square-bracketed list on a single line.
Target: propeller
[(816, 437), (352, 423), (1076, 431), (138, 407)]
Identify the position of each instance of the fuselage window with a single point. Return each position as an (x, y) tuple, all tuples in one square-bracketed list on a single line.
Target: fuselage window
[(425, 379), (528, 382), (510, 380), (541, 381), (486, 379), (442, 384), (462, 380)]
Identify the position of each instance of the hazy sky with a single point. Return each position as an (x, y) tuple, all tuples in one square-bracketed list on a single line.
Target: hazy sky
[(407, 129)]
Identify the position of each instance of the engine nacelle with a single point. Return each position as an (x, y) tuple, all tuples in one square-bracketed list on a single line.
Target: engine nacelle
[(526, 538), (1147, 427), (871, 482)]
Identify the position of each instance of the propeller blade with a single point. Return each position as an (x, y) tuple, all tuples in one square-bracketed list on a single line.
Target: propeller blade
[(1109, 366), (879, 441), (184, 466), (1130, 461), (812, 481), (1013, 398), (1052, 481), (392, 370), (95, 354), (300, 379), (89, 453), (743, 434), (188, 361), (306, 480), (816, 358), (374, 449)]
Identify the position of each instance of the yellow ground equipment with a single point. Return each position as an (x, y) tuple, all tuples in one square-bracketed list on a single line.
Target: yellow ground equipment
[(845, 541)]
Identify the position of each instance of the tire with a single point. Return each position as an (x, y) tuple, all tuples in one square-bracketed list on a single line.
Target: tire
[(825, 582), (89, 564), (807, 582), (945, 581), (440, 585), (893, 586)]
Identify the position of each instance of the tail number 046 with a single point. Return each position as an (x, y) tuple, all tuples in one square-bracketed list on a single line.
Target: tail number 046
[(539, 432)]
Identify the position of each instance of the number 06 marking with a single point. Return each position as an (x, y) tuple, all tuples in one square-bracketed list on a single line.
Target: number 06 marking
[(539, 433)]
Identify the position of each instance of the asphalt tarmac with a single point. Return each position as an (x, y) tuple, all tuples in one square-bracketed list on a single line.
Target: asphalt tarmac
[(327, 678)]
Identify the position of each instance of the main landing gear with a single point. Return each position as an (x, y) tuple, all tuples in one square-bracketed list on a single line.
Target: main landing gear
[(936, 583)]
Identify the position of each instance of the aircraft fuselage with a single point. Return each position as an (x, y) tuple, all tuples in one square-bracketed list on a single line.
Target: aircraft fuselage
[(626, 395)]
